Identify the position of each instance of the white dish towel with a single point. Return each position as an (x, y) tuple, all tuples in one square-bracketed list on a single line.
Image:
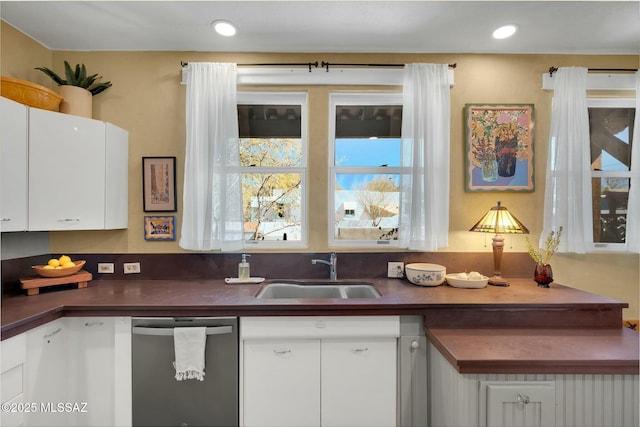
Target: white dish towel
[(189, 346)]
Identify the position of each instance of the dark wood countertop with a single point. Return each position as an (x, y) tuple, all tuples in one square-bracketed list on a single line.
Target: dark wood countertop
[(449, 314), (539, 350)]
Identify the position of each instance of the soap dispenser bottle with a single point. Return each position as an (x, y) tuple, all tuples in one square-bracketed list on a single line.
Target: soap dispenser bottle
[(243, 268)]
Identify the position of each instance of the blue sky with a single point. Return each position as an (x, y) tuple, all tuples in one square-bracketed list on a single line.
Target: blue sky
[(364, 152)]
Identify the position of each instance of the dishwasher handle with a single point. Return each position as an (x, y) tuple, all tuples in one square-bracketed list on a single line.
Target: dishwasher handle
[(164, 331)]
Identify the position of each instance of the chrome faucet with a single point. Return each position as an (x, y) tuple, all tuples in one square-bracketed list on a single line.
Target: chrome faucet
[(332, 263)]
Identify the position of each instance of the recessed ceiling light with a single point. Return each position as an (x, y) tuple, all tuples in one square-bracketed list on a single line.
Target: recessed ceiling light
[(224, 28), (504, 32)]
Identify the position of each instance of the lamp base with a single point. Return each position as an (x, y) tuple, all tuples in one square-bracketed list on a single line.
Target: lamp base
[(497, 280)]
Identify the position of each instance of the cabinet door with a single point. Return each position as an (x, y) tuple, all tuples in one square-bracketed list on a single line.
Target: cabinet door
[(359, 382), (13, 351), (117, 178), (47, 374), (66, 172), (519, 404), (13, 166), (91, 381), (281, 383)]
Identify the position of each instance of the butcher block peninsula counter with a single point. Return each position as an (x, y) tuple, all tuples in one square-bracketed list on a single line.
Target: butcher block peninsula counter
[(517, 329)]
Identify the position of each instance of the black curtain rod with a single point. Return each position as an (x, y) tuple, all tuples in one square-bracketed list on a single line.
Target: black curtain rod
[(326, 65), (272, 64), (553, 69)]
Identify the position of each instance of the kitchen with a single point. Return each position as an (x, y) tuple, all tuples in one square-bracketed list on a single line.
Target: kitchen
[(148, 101)]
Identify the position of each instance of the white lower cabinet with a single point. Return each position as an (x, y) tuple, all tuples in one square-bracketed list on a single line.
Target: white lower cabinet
[(319, 371), (74, 371), (514, 400), (282, 383), (517, 404), (14, 355), (358, 382)]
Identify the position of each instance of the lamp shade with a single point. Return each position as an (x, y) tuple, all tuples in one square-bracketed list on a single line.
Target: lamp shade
[(498, 220)]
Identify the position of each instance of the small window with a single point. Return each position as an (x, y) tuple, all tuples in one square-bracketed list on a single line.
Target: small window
[(365, 168), (611, 123), (273, 160)]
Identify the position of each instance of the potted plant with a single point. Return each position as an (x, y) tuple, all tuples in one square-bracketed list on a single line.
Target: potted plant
[(77, 89), (543, 275)]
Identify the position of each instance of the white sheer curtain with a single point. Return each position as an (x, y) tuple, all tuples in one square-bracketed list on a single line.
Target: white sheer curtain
[(424, 221), (633, 208), (212, 197), (567, 200)]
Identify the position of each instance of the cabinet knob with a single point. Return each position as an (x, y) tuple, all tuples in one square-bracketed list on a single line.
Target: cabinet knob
[(415, 344)]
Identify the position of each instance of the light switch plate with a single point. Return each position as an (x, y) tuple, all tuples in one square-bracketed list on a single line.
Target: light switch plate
[(395, 270)]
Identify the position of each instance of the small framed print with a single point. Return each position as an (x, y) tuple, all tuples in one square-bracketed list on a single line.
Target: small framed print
[(159, 184), (159, 228)]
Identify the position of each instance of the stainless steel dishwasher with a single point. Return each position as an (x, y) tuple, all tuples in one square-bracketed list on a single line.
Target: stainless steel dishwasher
[(159, 399)]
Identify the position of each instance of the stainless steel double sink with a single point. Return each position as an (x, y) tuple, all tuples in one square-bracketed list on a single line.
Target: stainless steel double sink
[(328, 289)]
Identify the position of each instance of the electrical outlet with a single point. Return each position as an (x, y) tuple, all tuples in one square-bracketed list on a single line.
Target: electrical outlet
[(105, 267), (131, 267), (395, 270)]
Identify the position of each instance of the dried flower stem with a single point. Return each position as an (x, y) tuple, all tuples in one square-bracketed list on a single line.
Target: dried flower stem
[(543, 257)]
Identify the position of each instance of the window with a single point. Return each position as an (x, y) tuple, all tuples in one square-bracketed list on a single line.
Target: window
[(365, 168), (273, 159), (611, 124)]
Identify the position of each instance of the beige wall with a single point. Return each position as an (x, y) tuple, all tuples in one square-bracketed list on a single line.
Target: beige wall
[(148, 100)]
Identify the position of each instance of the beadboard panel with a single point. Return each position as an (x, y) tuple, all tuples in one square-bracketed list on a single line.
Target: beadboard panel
[(581, 400)]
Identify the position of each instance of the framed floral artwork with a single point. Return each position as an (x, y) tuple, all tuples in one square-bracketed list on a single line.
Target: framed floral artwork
[(499, 147)]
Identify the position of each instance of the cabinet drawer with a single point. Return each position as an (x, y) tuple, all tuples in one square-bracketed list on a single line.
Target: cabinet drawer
[(320, 327)]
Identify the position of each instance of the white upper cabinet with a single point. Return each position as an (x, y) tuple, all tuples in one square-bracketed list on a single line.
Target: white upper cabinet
[(78, 171), (117, 177), (13, 166)]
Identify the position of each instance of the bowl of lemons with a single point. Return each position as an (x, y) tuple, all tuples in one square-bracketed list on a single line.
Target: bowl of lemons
[(59, 267)]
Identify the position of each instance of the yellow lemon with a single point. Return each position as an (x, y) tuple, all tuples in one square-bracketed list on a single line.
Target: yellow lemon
[(64, 259), (68, 264), (57, 268), (53, 262), (47, 267)]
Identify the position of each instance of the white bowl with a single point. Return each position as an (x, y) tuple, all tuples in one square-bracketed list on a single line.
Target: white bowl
[(459, 281), (425, 274)]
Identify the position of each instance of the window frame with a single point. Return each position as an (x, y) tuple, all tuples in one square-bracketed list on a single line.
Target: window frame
[(357, 98), (610, 102), (283, 98)]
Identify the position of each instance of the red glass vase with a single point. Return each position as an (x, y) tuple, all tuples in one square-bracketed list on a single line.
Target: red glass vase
[(543, 275)]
